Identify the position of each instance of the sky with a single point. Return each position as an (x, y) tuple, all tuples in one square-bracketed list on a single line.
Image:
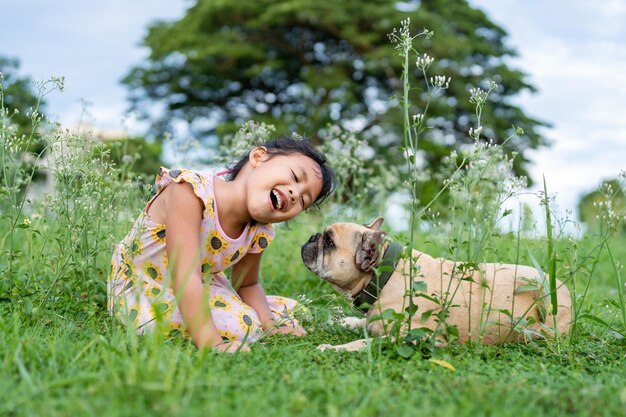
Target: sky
[(574, 52)]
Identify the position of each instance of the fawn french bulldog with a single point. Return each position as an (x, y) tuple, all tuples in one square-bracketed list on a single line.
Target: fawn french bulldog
[(484, 302)]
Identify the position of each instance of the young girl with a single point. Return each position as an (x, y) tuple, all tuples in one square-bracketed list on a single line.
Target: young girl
[(168, 270)]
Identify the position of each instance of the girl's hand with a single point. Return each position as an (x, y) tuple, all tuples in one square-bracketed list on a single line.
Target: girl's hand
[(290, 329), (232, 347)]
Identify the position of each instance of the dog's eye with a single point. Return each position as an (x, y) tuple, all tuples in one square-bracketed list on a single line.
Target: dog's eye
[(328, 241)]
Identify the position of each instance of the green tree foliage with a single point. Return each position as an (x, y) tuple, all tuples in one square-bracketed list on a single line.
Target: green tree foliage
[(18, 94), (606, 205), (21, 103), (302, 65), (142, 156)]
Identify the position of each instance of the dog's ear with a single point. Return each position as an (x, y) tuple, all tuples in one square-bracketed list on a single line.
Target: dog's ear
[(368, 251), (375, 225)]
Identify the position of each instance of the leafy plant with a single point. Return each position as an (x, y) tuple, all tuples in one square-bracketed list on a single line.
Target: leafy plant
[(477, 183), (56, 241)]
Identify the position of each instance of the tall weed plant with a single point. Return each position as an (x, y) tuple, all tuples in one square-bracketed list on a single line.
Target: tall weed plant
[(57, 237), (479, 184), (607, 239)]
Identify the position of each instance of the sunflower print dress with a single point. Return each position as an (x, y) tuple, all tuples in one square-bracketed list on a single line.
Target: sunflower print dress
[(139, 291)]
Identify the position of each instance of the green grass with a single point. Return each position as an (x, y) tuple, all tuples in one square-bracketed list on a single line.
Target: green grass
[(58, 368), (72, 359)]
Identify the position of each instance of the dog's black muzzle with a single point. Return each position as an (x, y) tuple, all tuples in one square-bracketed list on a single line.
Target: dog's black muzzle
[(308, 252)]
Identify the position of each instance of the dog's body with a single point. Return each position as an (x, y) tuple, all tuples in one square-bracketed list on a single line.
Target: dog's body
[(489, 303)]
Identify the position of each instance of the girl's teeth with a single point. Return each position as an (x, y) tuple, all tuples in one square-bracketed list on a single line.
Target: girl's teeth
[(279, 202)]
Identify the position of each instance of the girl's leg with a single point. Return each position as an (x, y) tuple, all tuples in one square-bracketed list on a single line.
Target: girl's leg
[(283, 309), (231, 314), (149, 308), (234, 319)]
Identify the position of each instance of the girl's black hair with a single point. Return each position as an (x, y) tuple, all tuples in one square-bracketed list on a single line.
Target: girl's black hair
[(288, 146)]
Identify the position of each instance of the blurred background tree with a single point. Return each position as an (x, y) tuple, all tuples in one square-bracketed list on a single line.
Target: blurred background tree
[(19, 97), (302, 65), (593, 205), (18, 93), (142, 156)]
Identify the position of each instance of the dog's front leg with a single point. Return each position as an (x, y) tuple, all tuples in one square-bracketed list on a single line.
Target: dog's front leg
[(353, 322), (348, 347)]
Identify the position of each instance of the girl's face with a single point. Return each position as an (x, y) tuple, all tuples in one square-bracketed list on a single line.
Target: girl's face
[(279, 187)]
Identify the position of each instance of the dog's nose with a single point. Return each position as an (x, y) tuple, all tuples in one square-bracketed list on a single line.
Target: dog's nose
[(314, 237)]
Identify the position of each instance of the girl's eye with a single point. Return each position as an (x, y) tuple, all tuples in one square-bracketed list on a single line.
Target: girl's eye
[(302, 201), (294, 176)]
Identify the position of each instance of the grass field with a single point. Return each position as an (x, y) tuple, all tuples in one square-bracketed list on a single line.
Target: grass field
[(71, 359)]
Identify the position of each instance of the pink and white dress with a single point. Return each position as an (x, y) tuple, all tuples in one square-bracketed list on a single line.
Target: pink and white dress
[(139, 290)]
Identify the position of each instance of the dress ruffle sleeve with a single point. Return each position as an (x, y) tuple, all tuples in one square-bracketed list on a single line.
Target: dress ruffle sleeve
[(199, 183)]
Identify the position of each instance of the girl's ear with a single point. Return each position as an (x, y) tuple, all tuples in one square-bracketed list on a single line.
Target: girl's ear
[(257, 155)]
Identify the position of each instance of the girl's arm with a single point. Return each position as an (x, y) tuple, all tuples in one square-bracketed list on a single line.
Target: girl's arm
[(183, 216), (245, 279)]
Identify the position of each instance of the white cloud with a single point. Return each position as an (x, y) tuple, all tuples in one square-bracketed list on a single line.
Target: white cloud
[(578, 63), (611, 14), (92, 44)]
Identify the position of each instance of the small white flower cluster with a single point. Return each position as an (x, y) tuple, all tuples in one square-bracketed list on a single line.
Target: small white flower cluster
[(544, 199), (424, 62), (440, 81), (607, 212), (478, 96), (249, 135), (47, 86), (336, 314), (354, 163), (303, 299), (478, 185), (302, 311), (402, 37), (418, 119), (59, 83), (475, 133)]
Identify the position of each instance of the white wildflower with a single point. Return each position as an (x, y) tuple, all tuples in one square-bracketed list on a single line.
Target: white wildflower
[(424, 62), (440, 81)]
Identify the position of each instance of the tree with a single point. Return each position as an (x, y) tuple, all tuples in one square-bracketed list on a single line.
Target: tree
[(18, 94), (606, 204), (145, 156), (301, 65)]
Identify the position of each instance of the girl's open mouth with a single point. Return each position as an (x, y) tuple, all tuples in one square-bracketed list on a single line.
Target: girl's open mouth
[(277, 200)]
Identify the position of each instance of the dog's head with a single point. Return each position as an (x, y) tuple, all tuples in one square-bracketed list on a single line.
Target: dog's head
[(344, 254)]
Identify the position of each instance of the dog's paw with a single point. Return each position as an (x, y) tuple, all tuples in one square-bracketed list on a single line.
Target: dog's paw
[(353, 322), (440, 344), (348, 347), (324, 347)]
